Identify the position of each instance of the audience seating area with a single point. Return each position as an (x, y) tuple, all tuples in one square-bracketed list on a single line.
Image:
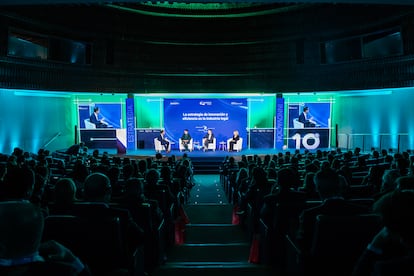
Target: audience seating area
[(118, 215), (124, 228), (274, 216)]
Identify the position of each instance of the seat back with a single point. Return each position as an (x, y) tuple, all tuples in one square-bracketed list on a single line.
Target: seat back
[(338, 241), (88, 124), (96, 241), (297, 124)]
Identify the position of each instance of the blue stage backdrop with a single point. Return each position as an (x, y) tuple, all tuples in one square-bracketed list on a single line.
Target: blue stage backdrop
[(223, 116), (310, 138)]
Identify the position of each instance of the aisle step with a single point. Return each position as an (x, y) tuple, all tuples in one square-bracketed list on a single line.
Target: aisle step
[(209, 213), (214, 233), (212, 252), (213, 268)]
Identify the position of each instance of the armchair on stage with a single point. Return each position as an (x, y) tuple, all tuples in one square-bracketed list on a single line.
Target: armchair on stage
[(297, 124), (190, 145), (89, 125), (211, 146), (237, 146), (159, 147)]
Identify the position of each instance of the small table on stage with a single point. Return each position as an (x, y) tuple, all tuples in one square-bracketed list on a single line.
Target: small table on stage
[(223, 146), (197, 145)]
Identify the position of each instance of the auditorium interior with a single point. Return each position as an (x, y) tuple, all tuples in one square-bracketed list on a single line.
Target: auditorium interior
[(317, 181)]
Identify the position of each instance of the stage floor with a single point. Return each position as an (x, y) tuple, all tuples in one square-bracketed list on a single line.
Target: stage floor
[(141, 153)]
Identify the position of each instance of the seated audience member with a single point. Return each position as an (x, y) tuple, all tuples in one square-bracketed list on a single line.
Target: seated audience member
[(153, 184), (309, 187), (255, 194), (65, 196), (114, 174), (388, 183), (18, 184), (373, 178), (134, 196), (242, 180), (21, 250), (285, 196), (404, 183), (98, 190), (391, 251), (75, 149), (330, 186)]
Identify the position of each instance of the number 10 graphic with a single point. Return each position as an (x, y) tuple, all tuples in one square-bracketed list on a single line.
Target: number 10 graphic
[(305, 139)]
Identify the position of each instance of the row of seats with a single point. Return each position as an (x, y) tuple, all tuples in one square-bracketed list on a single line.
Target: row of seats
[(337, 242)]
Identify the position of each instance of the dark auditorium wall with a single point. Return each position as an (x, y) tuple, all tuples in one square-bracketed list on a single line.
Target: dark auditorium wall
[(30, 121), (383, 115)]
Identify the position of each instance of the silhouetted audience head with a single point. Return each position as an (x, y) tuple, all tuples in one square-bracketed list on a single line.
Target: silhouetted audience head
[(286, 178), (98, 188), (388, 180), (242, 174), (18, 183), (65, 191), (328, 183), (404, 183), (397, 211), (271, 173), (165, 173), (308, 183), (134, 189), (21, 229), (152, 177)]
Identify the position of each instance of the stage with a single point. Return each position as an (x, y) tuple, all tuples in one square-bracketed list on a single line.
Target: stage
[(144, 153)]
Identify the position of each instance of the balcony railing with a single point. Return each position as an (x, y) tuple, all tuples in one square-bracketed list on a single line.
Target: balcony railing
[(398, 142)]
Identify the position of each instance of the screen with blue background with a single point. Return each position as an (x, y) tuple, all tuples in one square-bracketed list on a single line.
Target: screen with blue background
[(310, 138), (223, 116), (111, 112), (321, 113)]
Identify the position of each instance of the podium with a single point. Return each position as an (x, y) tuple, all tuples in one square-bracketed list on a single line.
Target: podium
[(104, 138)]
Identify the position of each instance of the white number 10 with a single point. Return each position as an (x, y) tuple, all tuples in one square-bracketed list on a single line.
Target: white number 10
[(312, 136)]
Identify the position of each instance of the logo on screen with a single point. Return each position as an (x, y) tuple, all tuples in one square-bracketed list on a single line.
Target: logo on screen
[(174, 103), (203, 129), (236, 103), (205, 103)]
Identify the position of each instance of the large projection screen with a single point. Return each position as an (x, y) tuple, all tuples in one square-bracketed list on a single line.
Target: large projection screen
[(223, 116), (317, 137)]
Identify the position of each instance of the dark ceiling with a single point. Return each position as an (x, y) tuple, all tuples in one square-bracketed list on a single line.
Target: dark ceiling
[(42, 2)]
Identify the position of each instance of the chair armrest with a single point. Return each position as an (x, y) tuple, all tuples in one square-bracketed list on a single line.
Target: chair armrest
[(293, 245), (161, 225)]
